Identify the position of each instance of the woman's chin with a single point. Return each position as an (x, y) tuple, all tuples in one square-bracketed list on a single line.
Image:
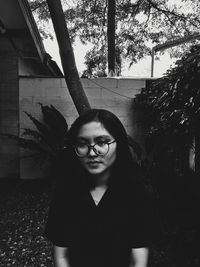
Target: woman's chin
[(94, 171)]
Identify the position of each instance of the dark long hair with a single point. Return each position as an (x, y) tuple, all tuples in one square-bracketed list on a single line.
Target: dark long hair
[(114, 126)]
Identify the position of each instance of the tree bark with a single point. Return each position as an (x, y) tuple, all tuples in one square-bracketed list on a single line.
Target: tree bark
[(67, 57), (111, 36)]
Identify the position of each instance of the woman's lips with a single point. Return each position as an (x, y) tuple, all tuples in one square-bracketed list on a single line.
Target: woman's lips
[(93, 163)]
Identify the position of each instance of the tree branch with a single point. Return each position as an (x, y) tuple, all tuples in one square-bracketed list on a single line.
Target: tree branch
[(166, 11)]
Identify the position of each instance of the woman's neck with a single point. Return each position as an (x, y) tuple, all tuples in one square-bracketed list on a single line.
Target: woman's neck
[(101, 180)]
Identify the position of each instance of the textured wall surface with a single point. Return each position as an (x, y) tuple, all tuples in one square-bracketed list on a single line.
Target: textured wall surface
[(113, 94), (9, 113)]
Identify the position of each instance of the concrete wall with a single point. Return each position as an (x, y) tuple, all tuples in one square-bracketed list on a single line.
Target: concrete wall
[(9, 113), (113, 94)]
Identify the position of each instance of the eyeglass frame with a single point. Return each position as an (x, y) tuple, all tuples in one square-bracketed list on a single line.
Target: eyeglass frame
[(93, 148)]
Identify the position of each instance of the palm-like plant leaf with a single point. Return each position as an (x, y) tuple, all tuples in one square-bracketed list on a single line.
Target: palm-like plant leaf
[(23, 142), (42, 128), (48, 137), (35, 134), (55, 121)]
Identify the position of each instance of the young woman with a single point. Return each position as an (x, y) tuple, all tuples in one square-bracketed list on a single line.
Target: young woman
[(100, 215)]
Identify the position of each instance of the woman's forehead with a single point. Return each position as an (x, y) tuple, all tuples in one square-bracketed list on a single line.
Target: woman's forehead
[(92, 130)]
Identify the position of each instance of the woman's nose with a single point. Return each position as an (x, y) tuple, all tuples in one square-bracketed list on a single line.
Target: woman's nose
[(92, 152)]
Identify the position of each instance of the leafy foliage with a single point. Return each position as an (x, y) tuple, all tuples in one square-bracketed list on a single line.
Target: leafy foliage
[(173, 109), (47, 139), (171, 116), (175, 96), (140, 24), (96, 63)]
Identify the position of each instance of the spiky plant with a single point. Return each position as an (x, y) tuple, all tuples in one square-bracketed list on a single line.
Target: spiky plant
[(48, 137)]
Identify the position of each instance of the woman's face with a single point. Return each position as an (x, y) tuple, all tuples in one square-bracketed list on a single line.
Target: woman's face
[(92, 133)]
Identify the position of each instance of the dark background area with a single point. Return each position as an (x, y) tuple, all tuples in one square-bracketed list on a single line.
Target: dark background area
[(24, 207)]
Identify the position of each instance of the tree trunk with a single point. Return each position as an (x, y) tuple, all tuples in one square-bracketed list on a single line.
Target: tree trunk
[(111, 37), (67, 57)]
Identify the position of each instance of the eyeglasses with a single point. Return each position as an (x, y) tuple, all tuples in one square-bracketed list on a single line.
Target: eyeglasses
[(100, 148)]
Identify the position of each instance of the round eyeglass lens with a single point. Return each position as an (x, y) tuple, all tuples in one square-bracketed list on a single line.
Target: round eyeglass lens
[(101, 148), (82, 149)]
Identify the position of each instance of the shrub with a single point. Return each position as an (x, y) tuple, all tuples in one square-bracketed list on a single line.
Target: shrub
[(48, 137)]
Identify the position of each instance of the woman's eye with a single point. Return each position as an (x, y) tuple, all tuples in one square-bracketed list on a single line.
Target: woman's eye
[(81, 145), (101, 143)]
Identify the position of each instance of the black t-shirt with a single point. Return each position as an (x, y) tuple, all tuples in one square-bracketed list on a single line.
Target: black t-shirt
[(102, 235)]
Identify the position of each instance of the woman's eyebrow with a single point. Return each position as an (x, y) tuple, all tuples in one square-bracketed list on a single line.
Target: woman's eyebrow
[(103, 136), (82, 138)]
